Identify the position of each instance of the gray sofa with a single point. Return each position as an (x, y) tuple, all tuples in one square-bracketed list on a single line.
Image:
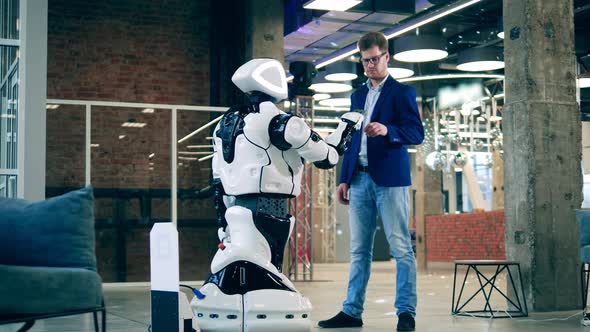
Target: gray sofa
[(47, 259)]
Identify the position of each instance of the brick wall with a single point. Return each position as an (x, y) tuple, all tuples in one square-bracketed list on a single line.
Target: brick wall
[(465, 236), (147, 51)]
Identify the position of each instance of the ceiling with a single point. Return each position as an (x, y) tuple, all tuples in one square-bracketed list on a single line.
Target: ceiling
[(317, 36)]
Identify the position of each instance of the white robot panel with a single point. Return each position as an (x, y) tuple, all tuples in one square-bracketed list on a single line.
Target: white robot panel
[(244, 244), (268, 310), (218, 312), (242, 176)]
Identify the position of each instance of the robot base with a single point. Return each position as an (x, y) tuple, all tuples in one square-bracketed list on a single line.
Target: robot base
[(263, 310)]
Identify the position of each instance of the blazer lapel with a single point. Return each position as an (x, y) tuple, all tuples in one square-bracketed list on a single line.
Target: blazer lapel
[(385, 92)]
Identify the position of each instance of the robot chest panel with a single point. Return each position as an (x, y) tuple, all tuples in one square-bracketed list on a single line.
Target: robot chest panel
[(231, 126)]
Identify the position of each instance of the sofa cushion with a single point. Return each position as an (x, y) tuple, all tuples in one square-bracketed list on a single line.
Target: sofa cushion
[(55, 232), (47, 290)]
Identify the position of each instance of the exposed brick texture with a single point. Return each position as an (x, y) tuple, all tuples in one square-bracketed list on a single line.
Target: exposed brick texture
[(465, 236), (146, 51)]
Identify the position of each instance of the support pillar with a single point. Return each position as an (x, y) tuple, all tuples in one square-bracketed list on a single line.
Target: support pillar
[(497, 181), (252, 29), (542, 148)]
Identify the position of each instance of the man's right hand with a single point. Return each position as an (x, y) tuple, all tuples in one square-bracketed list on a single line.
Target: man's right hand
[(343, 194)]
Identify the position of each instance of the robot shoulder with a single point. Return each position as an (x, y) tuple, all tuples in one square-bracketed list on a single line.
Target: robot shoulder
[(288, 131)]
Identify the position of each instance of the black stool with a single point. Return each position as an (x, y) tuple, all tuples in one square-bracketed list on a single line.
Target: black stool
[(521, 309)]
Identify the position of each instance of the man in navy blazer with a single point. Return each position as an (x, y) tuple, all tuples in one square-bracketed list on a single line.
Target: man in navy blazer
[(375, 180)]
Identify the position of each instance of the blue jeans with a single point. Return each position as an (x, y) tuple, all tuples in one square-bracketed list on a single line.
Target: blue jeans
[(391, 203)]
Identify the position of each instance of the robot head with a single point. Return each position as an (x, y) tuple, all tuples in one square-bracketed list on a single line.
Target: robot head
[(262, 75)]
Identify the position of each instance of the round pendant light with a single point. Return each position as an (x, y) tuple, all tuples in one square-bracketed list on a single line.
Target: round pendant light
[(321, 96), (341, 71), (419, 48), (330, 87), (480, 59), (399, 69), (336, 102)]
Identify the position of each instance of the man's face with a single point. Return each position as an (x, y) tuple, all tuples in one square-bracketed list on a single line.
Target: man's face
[(375, 62)]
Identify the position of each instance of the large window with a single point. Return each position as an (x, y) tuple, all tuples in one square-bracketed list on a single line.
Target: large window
[(9, 63)]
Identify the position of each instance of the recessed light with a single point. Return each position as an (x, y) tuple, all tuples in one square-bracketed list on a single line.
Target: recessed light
[(330, 87), (335, 5)]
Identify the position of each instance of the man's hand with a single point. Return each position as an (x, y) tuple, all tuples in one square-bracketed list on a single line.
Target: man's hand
[(375, 129), (343, 194)]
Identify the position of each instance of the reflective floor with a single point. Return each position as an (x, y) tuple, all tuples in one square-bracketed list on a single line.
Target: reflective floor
[(128, 305)]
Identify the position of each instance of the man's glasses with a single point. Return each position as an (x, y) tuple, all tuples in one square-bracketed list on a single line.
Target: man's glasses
[(374, 60)]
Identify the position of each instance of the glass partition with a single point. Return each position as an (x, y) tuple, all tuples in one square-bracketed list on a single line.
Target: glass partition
[(66, 148), (130, 173)]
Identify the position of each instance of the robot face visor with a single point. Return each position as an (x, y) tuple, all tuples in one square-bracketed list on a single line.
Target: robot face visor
[(263, 75)]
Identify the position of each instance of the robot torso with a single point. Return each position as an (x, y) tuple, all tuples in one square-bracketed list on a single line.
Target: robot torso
[(247, 162)]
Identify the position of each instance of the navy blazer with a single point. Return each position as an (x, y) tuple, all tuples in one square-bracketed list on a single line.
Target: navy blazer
[(389, 163)]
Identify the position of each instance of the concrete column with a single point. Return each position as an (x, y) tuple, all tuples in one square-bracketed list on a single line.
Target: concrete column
[(542, 148), (252, 29), (428, 185), (497, 181), (264, 29)]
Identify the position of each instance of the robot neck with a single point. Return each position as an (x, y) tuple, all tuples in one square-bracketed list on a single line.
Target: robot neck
[(257, 97)]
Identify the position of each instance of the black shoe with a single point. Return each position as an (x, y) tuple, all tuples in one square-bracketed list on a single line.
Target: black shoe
[(341, 320), (405, 322)]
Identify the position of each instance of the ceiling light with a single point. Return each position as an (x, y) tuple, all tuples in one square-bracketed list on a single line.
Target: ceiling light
[(399, 69), (480, 59), (339, 77), (51, 106), (501, 34), (449, 76), (187, 158), (399, 30), (331, 109), (321, 96), (420, 48), (133, 124), (194, 153), (398, 73), (206, 157), (122, 136), (335, 102), (203, 127), (341, 71), (335, 5), (148, 110), (330, 87), (584, 82)]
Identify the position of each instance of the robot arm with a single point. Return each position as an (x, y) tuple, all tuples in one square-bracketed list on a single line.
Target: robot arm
[(349, 123), (288, 131)]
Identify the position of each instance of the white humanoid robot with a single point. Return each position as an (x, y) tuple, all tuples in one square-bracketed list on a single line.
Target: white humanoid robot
[(257, 166)]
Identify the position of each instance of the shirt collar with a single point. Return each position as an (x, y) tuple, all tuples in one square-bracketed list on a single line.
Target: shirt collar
[(379, 87)]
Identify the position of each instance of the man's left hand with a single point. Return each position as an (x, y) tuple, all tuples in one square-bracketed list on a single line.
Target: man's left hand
[(375, 129)]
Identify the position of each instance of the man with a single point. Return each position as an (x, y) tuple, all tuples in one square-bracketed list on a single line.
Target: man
[(376, 168)]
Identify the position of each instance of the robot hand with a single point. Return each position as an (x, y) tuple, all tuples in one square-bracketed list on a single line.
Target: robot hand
[(349, 123)]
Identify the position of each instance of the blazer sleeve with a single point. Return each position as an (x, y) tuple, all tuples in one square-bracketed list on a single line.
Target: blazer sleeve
[(409, 129)]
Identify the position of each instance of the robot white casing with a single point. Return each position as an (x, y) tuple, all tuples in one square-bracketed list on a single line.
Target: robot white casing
[(258, 164)]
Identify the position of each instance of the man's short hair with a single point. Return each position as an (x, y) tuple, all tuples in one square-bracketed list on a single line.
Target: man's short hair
[(373, 39)]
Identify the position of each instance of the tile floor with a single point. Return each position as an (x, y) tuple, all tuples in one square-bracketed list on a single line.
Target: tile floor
[(128, 305)]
